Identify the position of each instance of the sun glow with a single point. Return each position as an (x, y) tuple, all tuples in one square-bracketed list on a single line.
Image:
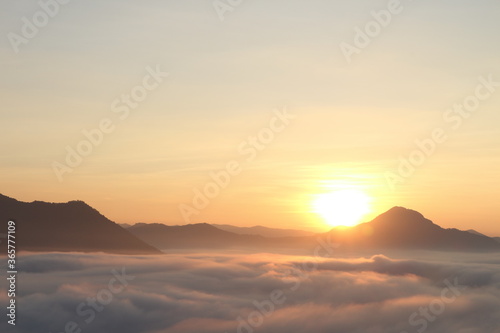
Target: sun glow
[(343, 207)]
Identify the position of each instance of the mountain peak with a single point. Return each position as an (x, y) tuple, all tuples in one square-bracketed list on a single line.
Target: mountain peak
[(398, 215), (70, 226), (403, 211), (472, 231), (404, 228)]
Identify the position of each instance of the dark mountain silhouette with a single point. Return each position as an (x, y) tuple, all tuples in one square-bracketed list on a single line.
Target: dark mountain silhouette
[(263, 231), (200, 235), (480, 234), (472, 231), (401, 228), (398, 228), (75, 226), (71, 226)]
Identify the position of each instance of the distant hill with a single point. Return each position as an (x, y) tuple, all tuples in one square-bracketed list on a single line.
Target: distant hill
[(263, 231), (200, 235), (75, 226), (71, 226), (401, 228), (398, 228), (472, 231), (497, 239)]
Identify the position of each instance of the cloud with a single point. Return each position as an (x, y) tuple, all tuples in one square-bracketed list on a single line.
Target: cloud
[(217, 292)]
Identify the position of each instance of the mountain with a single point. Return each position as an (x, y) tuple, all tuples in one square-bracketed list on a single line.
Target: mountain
[(401, 228), (263, 231), (478, 233), (200, 235), (75, 226), (398, 228), (71, 226), (206, 236), (472, 231), (497, 239)]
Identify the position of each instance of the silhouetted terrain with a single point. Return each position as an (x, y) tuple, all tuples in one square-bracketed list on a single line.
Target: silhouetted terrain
[(472, 231), (497, 239), (398, 228), (263, 231), (401, 228), (71, 226), (203, 235), (75, 226)]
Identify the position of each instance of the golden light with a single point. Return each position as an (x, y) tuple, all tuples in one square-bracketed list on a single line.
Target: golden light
[(344, 207)]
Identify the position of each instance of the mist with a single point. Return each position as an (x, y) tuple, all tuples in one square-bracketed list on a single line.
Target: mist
[(257, 292)]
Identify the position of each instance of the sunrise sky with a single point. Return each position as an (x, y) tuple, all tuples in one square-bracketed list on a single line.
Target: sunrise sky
[(353, 116)]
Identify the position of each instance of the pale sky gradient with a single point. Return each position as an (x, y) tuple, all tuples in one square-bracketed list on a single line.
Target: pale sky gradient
[(352, 123)]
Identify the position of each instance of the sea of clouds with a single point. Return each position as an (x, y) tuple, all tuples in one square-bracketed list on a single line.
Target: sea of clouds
[(256, 292)]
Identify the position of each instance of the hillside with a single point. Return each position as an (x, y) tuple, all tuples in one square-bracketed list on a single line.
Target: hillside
[(71, 226)]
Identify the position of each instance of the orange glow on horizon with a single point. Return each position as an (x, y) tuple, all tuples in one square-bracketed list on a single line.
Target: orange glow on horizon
[(345, 207)]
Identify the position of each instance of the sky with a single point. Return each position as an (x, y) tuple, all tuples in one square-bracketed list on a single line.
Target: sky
[(292, 99)]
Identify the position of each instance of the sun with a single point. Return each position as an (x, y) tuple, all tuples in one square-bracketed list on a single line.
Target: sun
[(344, 207)]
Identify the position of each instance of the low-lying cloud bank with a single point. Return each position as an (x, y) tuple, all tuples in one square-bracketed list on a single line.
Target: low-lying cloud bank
[(266, 293)]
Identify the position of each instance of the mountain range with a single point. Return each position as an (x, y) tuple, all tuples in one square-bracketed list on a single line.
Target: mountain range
[(398, 228), (257, 230), (264, 231), (200, 235), (75, 226)]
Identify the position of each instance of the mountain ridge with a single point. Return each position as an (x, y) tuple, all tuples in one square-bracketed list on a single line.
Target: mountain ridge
[(401, 227), (76, 226), (397, 228), (264, 231), (73, 226), (197, 235)]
